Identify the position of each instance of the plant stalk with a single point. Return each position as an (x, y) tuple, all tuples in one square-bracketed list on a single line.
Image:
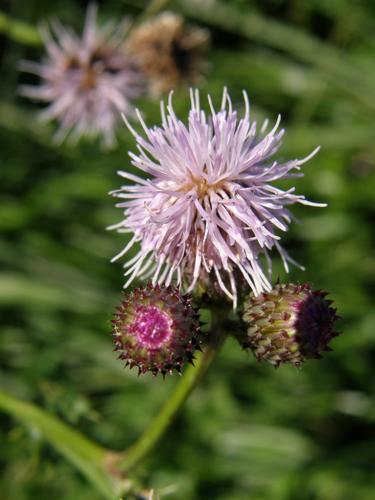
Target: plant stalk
[(165, 417), (19, 31), (102, 467)]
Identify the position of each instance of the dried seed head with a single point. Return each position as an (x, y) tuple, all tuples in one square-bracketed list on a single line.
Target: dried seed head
[(156, 329), (289, 324), (168, 52)]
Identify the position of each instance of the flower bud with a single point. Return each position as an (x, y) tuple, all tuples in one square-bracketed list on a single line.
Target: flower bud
[(289, 324), (156, 329)]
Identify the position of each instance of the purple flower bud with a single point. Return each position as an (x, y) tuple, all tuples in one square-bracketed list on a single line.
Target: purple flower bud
[(289, 324), (156, 329)]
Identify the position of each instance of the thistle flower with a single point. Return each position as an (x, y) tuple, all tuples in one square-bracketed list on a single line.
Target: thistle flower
[(168, 52), (208, 206), (289, 324), (87, 82), (156, 329)]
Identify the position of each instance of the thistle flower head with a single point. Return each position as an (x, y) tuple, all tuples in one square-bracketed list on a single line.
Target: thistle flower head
[(168, 52), (87, 81), (208, 206), (156, 329), (289, 324)]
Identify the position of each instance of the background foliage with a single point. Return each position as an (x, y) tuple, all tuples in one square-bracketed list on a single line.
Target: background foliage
[(248, 431)]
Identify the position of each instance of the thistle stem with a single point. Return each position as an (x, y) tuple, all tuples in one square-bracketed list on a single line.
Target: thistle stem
[(104, 467), (165, 417), (154, 7), (151, 10), (19, 31)]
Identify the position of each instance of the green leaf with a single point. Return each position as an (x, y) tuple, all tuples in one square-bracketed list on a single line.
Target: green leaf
[(85, 455)]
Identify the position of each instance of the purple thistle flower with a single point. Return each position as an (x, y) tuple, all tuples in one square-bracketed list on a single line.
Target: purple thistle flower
[(208, 207), (87, 81)]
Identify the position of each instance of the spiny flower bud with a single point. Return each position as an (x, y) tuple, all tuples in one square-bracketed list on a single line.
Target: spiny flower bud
[(156, 329), (289, 324)]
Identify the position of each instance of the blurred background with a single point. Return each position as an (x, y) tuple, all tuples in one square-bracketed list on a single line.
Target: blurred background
[(248, 431)]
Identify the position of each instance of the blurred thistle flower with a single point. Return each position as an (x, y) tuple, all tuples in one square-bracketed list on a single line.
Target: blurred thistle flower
[(289, 324), (208, 207), (156, 329), (168, 52), (87, 81)]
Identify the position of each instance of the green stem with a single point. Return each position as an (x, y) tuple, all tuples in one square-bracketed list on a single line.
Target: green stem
[(88, 457), (150, 11), (19, 31), (154, 7), (102, 467), (164, 418)]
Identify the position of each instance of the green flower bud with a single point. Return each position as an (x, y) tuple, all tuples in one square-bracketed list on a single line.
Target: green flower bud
[(289, 324)]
